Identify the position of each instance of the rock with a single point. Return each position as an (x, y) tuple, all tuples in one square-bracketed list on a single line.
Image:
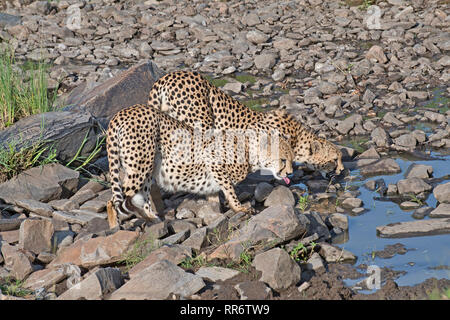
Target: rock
[(434, 116), (45, 183), (412, 185), (278, 75), (284, 44), (159, 281), (156, 230), (314, 263), (442, 211), (279, 271), (265, 61), (173, 253), (370, 153), (215, 274), (383, 166), (316, 226), (334, 254), (40, 208), (64, 205), (392, 189), (442, 192), (380, 137), (253, 290), (176, 238), (235, 87), (9, 20), (96, 251), (273, 225), (409, 205), (326, 87), (94, 206), (95, 286), (184, 213), (421, 212), (45, 279), (76, 216), (351, 203), (63, 131), (406, 140), (257, 37), (414, 228), (348, 124), (339, 220), (376, 52), (16, 261), (262, 191), (419, 171), (126, 89), (11, 237), (281, 195), (197, 240), (36, 235), (10, 224), (209, 212), (94, 226)]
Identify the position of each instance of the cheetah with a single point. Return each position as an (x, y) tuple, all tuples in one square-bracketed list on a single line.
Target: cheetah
[(190, 98), (146, 143)]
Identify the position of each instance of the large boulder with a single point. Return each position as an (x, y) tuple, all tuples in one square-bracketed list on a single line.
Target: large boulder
[(44, 183), (126, 89), (64, 131), (442, 192)]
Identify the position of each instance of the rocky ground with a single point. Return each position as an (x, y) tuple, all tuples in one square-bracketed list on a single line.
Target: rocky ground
[(375, 82)]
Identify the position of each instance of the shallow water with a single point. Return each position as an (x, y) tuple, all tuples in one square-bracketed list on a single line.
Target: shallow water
[(427, 252)]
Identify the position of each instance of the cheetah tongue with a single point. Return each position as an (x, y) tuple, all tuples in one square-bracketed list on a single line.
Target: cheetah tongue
[(286, 179)]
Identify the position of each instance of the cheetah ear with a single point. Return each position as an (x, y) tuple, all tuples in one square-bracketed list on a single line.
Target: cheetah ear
[(315, 147)]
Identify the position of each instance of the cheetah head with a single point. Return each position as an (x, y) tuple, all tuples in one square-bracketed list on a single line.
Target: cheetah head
[(279, 164), (322, 156)]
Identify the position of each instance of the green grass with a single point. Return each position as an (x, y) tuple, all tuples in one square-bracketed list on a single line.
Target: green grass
[(14, 288), (243, 78), (218, 82), (303, 202), (414, 198), (140, 250), (14, 160), (439, 295), (255, 104), (439, 101), (194, 262), (23, 91), (357, 144), (83, 161), (300, 252)]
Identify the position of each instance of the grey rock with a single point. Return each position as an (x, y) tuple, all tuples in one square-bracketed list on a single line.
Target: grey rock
[(176, 226), (383, 166), (40, 208), (176, 238), (44, 183), (442, 211), (376, 52), (442, 192), (94, 206), (316, 225), (156, 230), (62, 130), (334, 254), (16, 261), (391, 118), (281, 195), (175, 254), (417, 228), (253, 290), (216, 273), (235, 87), (197, 240), (262, 191), (159, 281), (80, 217), (314, 263), (406, 140), (421, 171), (64, 205), (380, 137), (257, 37), (327, 87), (421, 212), (45, 279), (370, 153), (351, 203), (128, 88), (348, 124), (10, 224), (412, 185), (265, 61), (9, 20), (279, 271), (434, 116), (36, 235), (338, 220), (271, 226), (95, 286)]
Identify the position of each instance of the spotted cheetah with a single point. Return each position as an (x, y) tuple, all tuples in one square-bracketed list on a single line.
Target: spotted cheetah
[(189, 97), (147, 143)]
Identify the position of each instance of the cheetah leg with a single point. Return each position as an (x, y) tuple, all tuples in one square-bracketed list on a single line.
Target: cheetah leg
[(230, 194), (150, 211), (213, 198)]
